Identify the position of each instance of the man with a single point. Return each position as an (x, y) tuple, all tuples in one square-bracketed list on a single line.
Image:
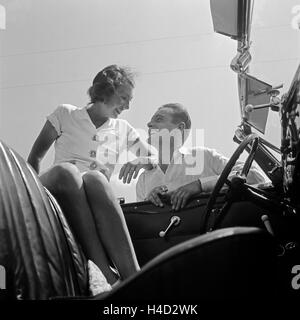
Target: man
[(181, 172)]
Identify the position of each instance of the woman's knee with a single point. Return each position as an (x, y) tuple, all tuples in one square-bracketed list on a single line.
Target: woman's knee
[(95, 180), (63, 177)]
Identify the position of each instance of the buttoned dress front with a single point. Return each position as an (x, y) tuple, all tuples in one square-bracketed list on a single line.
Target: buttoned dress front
[(90, 148)]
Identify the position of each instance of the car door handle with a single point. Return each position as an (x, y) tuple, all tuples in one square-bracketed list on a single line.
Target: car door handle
[(175, 220)]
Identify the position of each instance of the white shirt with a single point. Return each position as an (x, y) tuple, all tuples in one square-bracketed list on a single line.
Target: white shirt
[(88, 147), (188, 165)]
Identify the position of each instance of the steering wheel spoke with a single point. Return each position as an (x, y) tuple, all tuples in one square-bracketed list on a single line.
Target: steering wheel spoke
[(223, 179)]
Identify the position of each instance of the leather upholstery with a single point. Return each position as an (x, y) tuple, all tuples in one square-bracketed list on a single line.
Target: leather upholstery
[(145, 221), (232, 263)]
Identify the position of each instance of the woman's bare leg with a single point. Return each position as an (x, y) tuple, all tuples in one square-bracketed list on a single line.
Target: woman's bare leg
[(110, 223), (65, 183)]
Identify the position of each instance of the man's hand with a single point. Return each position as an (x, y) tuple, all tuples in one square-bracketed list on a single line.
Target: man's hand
[(131, 169), (180, 196), (153, 196)]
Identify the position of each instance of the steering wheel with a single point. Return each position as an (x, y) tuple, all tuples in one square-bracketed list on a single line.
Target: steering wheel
[(223, 179)]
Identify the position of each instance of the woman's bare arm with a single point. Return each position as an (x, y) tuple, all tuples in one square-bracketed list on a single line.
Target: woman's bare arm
[(147, 158), (41, 145), (143, 149)]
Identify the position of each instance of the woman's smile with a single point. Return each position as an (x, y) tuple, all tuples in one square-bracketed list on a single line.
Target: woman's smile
[(118, 110)]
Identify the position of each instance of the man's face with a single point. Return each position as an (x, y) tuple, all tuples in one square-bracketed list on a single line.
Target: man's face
[(164, 133), (162, 119)]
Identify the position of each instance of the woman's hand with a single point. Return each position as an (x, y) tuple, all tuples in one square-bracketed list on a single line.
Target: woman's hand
[(147, 158), (131, 169), (180, 196), (153, 196)]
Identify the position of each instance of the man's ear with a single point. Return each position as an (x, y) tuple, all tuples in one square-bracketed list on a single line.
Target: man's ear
[(181, 125)]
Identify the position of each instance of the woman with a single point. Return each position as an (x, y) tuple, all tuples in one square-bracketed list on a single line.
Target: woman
[(88, 143)]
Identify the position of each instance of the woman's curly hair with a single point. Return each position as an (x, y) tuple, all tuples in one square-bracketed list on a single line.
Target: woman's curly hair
[(107, 81)]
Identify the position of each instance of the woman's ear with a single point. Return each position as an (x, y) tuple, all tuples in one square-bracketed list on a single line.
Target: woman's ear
[(106, 100)]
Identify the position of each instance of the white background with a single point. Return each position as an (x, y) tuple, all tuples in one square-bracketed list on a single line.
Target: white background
[(51, 50)]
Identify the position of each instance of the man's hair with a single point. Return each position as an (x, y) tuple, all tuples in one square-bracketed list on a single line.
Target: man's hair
[(179, 114)]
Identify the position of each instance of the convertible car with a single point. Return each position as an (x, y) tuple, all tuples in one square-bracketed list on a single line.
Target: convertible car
[(235, 243)]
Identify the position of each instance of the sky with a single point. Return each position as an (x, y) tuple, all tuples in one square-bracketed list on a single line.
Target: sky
[(50, 51)]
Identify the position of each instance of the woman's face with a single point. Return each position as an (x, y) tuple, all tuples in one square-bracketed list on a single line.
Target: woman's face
[(119, 101)]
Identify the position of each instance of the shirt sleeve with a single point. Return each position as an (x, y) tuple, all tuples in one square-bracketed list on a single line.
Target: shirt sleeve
[(254, 175), (217, 163), (208, 183), (56, 119)]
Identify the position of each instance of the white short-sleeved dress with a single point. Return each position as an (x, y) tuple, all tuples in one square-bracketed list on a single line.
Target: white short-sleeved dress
[(90, 148)]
